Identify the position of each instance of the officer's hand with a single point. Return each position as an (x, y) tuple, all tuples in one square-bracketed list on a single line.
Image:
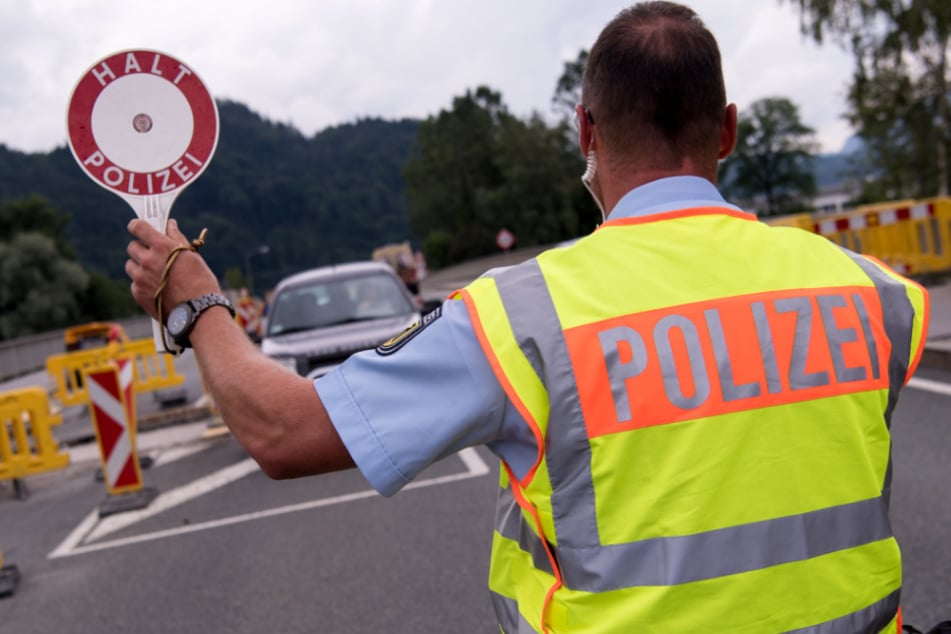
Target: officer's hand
[(188, 278)]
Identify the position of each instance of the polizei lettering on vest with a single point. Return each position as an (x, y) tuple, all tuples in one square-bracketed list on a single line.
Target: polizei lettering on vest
[(717, 357)]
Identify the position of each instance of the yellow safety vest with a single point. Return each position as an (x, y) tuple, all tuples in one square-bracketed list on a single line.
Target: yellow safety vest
[(711, 398)]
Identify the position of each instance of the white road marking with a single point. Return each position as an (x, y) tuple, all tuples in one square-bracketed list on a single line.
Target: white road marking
[(72, 540), (177, 453), (87, 531), (175, 497), (930, 386)]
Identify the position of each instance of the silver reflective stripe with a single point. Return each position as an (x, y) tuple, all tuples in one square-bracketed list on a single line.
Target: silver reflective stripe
[(589, 566), (535, 322), (870, 620), (510, 619), (899, 316), (667, 561), (510, 523), (862, 312)]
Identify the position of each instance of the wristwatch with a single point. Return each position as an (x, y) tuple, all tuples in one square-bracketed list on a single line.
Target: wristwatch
[(182, 318)]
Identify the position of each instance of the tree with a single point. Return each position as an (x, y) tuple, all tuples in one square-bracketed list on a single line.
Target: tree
[(34, 213), (39, 288), (773, 158), (477, 168), (568, 89), (886, 37), (105, 299), (453, 165), (898, 134)]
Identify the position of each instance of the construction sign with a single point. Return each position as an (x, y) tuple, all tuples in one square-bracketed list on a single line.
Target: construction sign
[(112, 405)]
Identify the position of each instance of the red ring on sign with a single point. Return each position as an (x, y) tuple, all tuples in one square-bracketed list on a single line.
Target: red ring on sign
[(204, 115)]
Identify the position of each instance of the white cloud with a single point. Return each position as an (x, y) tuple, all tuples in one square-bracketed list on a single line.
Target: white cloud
[(319, 63)]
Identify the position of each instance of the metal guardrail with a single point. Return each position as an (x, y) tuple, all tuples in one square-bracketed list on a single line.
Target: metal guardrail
[(28, 354)]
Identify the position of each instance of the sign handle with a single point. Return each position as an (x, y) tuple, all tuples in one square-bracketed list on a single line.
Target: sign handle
[(155, 211)]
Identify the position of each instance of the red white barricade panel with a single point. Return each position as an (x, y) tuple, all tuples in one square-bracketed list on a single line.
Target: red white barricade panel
[(113, 412)]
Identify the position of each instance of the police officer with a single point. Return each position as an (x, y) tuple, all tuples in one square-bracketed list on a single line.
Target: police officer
[(691, 408)]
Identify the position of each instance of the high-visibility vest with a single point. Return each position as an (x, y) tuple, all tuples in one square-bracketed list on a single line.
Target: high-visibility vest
[(711, 400)]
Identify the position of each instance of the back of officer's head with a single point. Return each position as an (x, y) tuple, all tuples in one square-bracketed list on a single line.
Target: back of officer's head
[(653, 84)]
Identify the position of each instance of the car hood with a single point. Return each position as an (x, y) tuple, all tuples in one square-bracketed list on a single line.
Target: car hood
[(334, 341)]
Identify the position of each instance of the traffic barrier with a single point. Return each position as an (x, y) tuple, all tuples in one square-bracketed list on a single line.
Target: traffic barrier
[(27, 446), (151, 370), (911, 236), (112, 408), (249, 313)]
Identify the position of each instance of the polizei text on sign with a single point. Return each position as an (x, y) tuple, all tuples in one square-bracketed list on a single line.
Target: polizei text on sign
[(141, 123)]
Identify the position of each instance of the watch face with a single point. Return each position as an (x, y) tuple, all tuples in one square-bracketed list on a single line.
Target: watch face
[(178, 320)]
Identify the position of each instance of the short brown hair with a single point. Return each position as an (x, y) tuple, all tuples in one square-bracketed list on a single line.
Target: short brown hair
[(653, 82)]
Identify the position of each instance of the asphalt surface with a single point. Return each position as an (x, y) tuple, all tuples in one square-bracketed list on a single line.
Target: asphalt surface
[(225, 549)]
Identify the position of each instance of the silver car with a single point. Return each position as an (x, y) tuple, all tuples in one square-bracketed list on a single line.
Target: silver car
[(320, 317)]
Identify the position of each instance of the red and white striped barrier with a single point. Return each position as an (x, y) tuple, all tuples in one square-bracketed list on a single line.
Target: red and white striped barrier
[(881, 217), (113, 413)]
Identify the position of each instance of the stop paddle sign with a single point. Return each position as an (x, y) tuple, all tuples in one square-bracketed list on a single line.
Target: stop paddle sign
[(142, 124)]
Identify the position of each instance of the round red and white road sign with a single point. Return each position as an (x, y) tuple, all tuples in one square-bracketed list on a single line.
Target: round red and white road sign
[(141, 123), (505, 239)]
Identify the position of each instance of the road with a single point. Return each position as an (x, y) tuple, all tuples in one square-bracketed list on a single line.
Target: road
[(225, 549)]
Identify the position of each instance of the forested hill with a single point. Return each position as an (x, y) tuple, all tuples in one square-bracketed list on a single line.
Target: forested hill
[(310, 200)]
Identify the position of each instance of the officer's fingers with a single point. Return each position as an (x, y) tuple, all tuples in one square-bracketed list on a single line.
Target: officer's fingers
[(137, 253), (173, 232), (143, 295), (145, 232)]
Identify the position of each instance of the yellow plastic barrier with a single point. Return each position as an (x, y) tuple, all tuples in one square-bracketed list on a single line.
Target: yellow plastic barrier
[(912, 236), (27, 446), (151, 370), (800, 221)]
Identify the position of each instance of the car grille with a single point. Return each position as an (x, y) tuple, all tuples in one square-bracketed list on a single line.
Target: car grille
[(316, 362), (329, 358)]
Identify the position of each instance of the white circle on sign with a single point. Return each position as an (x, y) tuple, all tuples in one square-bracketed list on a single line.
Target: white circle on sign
[(117, 122)]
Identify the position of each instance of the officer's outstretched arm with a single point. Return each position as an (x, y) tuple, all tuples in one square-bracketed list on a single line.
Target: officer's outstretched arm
[(274, 413)]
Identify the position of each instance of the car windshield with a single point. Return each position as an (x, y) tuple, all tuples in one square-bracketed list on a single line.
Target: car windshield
[(329, 302)]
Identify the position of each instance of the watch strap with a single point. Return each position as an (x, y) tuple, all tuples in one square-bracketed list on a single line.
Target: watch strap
[(206, 301), (199, 305)]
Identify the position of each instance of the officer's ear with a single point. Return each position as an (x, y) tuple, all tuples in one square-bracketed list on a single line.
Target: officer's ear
[(728, 132)]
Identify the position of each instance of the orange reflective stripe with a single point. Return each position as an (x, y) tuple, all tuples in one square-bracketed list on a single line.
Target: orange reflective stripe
[(529, 508), (683, 213), (510, 391), (728, 355)]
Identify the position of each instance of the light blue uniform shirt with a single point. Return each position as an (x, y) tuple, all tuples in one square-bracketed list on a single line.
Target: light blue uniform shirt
[(399, 413)]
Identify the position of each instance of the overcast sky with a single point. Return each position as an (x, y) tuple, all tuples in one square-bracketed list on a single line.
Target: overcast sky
[(317, 63)]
